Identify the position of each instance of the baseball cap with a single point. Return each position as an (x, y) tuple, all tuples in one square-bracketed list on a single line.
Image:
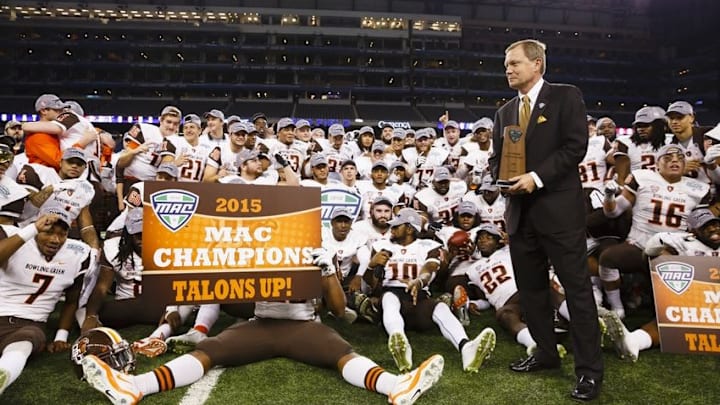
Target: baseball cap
[(251, 128), (380, 164), (302, 124), (336, 130), (257, 116), (233, 118), (237, 127), (49, 101), (407, 216), (398, 133), (381, 199), (590, 118), (714, 133), (215, 113), (246, 155), (192, 119), (385, 124), (368, 130), (646, 115), (172, 110), (680, 107), (318, 160), (398, 164), (348, 162), (604, 120), (489, 228), (409, 133), (169, 169), (422, 133), (378, 146), (342, 212), (699, 217), (134, 221), (284, 123), (484, 122), (452, 124), (487, 184), (467, 207), (12, 123), (441, 174), (431, 132), (63, 215), (75, 107), (669, 149), (73, 153)]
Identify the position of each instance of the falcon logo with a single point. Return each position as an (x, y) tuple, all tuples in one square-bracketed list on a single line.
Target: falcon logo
[(174, 208), (676, 276)]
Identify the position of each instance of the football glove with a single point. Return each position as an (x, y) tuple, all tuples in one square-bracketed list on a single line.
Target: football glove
[(712, 154), (323, 258)]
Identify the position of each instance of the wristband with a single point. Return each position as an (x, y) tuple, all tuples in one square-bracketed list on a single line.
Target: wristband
[(61, 335), (28, 232)]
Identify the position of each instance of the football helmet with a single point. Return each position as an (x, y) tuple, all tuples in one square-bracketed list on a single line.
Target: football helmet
[(106, 344)]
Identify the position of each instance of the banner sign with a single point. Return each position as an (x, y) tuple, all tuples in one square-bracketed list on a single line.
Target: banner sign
[(220, 243), (687, 303)]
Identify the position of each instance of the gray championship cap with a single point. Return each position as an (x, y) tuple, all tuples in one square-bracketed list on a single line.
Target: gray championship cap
[(441, 174), (168, 168), (669, 149), (246, 155), (49, 101), (172, 110), (467, 207), (407, 216), (452, 124), (342, 212), (317, 160), (484, 122), (489, 228), (336, 130), (74, 153), (134, 221), (215, 113), (284, 123), (192, 119), (647, 115), (680, 107), (302, 124), (699, 217)]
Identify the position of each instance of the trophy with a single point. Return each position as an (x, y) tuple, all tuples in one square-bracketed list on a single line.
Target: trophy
[(512, 158)]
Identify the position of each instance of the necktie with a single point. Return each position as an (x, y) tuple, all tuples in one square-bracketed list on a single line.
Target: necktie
[(525, 113)]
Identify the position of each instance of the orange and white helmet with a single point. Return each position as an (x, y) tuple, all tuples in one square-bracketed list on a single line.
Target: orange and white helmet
[(106, 344)]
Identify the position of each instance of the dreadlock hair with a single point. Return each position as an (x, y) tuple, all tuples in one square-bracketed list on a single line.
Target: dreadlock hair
[(658, 128), (126, 248)]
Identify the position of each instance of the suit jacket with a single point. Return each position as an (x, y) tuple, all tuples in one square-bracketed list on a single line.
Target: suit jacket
[(553, 149)]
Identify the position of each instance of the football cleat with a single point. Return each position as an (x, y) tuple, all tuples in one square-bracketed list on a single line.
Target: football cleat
[(185, 343), (602, 325), (460, 305), (118, 387), (149, 347), (365, 308), (412, 385), (625, 346), (476, 351), (4, 380), (401, 351)]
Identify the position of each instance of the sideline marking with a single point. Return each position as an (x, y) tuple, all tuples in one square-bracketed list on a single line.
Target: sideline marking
[(199, 392)]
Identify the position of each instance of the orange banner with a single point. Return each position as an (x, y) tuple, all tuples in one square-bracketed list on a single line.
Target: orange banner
[(205, 243), (687, 303)]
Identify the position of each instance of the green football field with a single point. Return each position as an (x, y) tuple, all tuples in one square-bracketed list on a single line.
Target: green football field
[(657, 378)]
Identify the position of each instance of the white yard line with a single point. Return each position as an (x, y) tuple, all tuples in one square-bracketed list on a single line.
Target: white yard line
[(199, 392)]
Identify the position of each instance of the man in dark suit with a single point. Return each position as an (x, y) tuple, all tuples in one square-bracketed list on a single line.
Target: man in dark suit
[(545, 213)]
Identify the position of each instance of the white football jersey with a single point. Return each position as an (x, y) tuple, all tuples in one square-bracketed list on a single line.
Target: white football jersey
[(493, 213), (661, 206), (405, 261), (193, 169), (478, 159), (495, 277), (367, 231), (337, 157), (593, 167), (128, 278), (641, 156), (31, 285), (454, 151), (144, 165), (693, 152), (74, 128), (345, 250), (295, 153), (222, 157), (442, 207), (72, 195), (424, 173), (369, 193), (12, 197)]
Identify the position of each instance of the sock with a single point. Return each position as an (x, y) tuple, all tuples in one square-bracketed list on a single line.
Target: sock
[(206, 317), (179, 372), (365, 373), (613, 297), (563, 310), (13, 359), (163, 331), (392, 320), (525, 338), (644, 340), (450, 327)]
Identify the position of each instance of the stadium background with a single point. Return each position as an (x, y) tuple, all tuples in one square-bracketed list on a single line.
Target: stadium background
[(352, 61)]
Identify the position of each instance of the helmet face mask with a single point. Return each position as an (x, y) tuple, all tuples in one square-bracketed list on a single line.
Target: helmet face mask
[(107, 345)]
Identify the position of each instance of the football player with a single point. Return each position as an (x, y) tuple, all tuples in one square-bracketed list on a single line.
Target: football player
[(377, 186), (703, 240), (489, 202), (402, 270), (442, 198), (38, 264), (223, 158), (279, 329), (214, 131), (638, 151), (191, 155), (12, 201), (660, 201), (422, 159)]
